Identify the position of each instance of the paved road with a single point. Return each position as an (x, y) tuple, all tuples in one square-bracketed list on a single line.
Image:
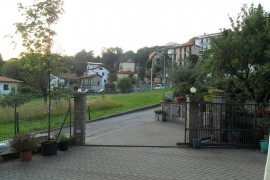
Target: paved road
[(133, 163), (136, 129)]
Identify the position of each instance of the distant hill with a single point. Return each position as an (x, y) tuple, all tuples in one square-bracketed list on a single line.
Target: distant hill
[(171, 44)]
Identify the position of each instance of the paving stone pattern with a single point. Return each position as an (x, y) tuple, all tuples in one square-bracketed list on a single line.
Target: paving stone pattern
[(88, 162)]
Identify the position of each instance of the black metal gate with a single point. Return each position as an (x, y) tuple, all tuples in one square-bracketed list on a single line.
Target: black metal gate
[(226, 124)]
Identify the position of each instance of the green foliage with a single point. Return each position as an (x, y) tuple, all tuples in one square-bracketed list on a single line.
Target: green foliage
[(13, 99), (192, 60), (12, 69), (183, 74), (242, 52), (63, 138), (158, 111), (182, 89), (36, 30), (124, 84), (211, 92), (80, 60), (110, 88), (23, 142)]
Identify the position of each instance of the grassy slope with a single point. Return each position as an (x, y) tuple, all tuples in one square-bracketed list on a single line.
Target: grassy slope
[(127, 102)]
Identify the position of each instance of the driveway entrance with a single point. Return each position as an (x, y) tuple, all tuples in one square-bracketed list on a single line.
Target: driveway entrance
[(134, 129)]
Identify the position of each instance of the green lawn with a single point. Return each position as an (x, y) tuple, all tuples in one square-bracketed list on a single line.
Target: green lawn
[(125, 102)]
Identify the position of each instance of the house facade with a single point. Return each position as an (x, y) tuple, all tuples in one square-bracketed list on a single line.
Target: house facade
[(183, 51), (126, 69), (204, 41), (7, 85), (92, 81), (65, 79), (97, 69)]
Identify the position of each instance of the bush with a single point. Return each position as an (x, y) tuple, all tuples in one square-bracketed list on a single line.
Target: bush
[(124, 84), (110, 88), (158, 111), (182, 89), (24, 142), (63, 138)]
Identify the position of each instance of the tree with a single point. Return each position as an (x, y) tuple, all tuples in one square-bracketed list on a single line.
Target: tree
[(1, 63), (127, 55), (37, 36), (242, 51), (80, 61), (13, 69), (35, 72), (124, 84), (111, 55), (110, 58), (36, 31)]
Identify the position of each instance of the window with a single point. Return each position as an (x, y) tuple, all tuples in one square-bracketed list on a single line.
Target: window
[(100, 69), (6, 87), (104, 80), (98, 83), (103, 74)]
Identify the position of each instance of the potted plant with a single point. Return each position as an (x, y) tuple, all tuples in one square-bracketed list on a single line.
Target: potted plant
[(24, 143), (63, 142), (158, 115)]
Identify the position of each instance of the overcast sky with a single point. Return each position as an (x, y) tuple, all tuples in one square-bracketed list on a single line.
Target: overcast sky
[(128, 24)]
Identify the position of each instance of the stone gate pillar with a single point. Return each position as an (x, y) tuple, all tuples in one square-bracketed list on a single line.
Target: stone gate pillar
[(79, 118), (192, 121)]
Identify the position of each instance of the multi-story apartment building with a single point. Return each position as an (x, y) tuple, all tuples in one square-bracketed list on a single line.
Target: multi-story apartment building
[(182, 51)]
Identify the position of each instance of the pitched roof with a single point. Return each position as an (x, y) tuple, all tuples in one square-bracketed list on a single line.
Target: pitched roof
[(184, 44), (125, 72), (89, 76), (6, 79), (68, 76)]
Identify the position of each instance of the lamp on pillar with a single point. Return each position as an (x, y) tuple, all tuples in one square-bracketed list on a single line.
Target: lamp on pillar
[(193, 90)]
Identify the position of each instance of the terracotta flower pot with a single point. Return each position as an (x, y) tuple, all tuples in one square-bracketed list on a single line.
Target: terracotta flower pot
[(26, 156)]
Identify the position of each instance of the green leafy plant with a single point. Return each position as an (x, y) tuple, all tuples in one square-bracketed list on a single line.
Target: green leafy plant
[(63, 138), (22, 142), (158, 111)]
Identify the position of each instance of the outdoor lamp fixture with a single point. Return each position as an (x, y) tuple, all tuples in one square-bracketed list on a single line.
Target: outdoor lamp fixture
[(193, 90)]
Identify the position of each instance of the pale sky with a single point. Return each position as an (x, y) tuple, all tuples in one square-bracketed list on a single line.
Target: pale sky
[(128, 24)]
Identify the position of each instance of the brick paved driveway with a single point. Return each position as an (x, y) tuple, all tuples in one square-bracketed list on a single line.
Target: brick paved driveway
[(128, 163)]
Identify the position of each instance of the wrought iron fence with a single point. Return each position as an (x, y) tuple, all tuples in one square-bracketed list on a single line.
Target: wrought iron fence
[(227, 124), (31, 118)]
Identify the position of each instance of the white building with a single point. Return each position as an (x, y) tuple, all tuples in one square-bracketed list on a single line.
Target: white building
[(98, 69), (7, 84), (204, 41)]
